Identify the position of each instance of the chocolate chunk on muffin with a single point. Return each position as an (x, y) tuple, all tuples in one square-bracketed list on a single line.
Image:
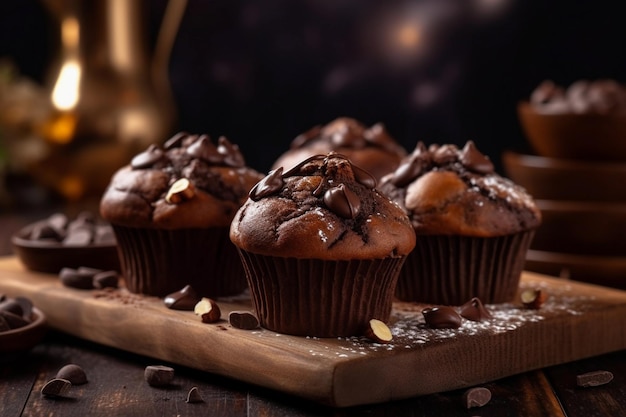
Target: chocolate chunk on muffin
[(321, 247), (473, 226)]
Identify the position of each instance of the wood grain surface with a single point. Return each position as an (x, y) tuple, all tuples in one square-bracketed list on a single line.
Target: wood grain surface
[(577, 321)]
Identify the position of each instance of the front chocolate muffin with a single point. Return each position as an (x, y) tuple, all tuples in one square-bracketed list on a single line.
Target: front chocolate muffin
[(171, 210), (321, 247), (473, 226)]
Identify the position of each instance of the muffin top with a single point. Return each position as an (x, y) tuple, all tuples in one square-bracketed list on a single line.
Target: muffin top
[(323, 208), (189, 182), (372, 149), (450, 191)]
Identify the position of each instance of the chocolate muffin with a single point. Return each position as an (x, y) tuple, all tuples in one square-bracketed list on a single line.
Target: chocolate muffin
[(473, 226), (372, 149), (321, 247), (171, 210)]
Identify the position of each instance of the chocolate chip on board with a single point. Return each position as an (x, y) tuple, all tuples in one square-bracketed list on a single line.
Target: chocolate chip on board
[(243, 320), (442, 317)]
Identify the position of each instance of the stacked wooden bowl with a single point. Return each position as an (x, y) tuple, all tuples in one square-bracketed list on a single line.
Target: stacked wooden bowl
[(578, 180)]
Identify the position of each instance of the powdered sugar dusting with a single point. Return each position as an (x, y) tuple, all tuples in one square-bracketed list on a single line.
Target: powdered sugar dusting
[(410, 331)]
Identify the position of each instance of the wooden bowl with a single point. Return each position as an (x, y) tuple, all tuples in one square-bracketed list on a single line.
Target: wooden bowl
[(25, 337), (51, 257), (609, 271), (598, 137), (584, 228), (563, 179)]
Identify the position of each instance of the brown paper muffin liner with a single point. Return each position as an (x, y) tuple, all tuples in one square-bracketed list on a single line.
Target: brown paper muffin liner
[(320, 298), (159, 262), (450, 270)]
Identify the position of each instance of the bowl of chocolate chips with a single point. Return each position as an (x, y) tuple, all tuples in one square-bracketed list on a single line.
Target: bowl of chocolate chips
[(57, 242), (22, 325), (583, 121)]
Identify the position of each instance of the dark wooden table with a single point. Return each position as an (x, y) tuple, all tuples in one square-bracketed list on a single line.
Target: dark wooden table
[(117, 387)]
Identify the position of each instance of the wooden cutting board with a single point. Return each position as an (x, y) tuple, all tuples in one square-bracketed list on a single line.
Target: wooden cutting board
[(578, 320)]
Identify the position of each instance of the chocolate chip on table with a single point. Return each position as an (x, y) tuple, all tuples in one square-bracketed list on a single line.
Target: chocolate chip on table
[(476, 397), (11, 305), (243, 320), (82, 236), (193, 396), (442, 317), (56, 387), (159, 375), (183, 299), (14, 321), (73, 373), (594, 378), (15, 312)]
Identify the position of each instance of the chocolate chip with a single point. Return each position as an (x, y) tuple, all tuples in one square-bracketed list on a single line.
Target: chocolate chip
[(363, 177), (184, 299), (14, 321), (475, 161), (175, 141), (11, 305), (474, 310), (4, 326), (193, 396), (103, 234), (442, 317), (594, 378), (44, 231), (159, 375), (445, 154), (476, 397), (106, 279), (147, 158), (243, 320), (73, 278), (205, 150), (231, 153), (81, 236), (342, 201), (73, 373), (269, 185), (56, 387)]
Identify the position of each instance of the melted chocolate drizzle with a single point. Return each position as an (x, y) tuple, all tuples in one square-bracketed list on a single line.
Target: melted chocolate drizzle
[(269, 185)]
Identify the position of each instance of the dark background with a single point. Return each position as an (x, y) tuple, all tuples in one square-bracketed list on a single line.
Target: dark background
[(261, 72)]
